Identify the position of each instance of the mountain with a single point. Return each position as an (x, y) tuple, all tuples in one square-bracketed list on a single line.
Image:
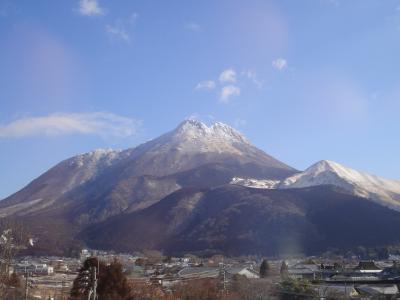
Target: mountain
[(383, 191), (92, 187), (136, 178), (238, 220), (189, 191)]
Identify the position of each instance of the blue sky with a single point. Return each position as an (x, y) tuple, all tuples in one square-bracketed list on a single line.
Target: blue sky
[(303, 80)]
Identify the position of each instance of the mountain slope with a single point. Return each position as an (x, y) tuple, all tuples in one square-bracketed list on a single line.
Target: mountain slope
[(237, 220), (62, 178)]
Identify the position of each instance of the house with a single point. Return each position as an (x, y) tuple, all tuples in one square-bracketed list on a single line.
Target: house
[(392, 272), (213, 272), (353, 277), (244, 271), (37, 269), (333, 291), (304, 271), (199, 272), (367, 267)]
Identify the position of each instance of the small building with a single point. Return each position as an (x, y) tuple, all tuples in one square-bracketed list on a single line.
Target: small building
[(367, 267), (37, 269), (304, 271), (392, 272), (244, 271), (333, 291), (353, 277)]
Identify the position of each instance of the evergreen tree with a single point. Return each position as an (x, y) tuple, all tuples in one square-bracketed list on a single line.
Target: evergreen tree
[(264, 269), (111, 281), (14, 280), (83, 282)]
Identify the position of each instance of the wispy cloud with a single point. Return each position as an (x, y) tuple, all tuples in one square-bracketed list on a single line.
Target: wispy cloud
[(279, 64), (228, 92), (90, 8), (206, 85), (6, 8), (192, 26), (239, 123), (122, 28), (119, 32), (228, 75), (103, 124), (252, 76), (333, 2)]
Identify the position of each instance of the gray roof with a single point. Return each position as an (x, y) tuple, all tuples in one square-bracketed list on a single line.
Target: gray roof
[(369, 289), (199, 272)]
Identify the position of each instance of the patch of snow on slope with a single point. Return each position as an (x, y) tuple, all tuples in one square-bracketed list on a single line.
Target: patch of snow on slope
[(92, 157), (255, 183)]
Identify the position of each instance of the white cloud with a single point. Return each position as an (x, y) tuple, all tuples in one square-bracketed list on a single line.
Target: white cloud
[(102, 124), (206, 85), (279, 63), (228, 83), (90, 8), (228, 75), (227, 92), (192, 26), (122, 28)]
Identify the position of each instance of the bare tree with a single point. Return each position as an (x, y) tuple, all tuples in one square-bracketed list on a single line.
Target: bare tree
[(12, 240)]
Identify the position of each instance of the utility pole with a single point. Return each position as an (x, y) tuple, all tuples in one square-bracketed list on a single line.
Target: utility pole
[(93, 289), (26, 284), (62, 287), (94, 283), (223, 277)]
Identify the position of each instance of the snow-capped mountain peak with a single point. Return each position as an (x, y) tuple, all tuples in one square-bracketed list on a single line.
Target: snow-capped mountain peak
[(324, 165), (326, 172), (194, 129), (191, 125), (330, 172)]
